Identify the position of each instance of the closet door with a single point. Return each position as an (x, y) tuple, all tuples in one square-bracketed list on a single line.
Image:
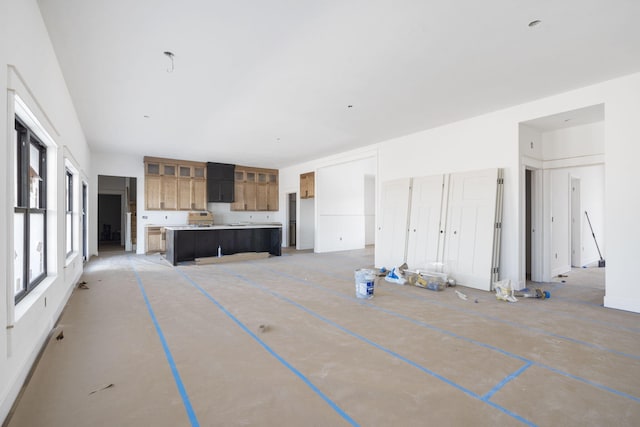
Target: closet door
[(471, 223), (391, 243), (424, 223)]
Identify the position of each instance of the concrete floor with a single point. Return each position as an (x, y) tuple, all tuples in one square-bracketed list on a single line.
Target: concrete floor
[(283, 342)]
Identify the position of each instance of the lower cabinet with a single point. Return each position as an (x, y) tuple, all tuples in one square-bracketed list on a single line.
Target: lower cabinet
[(155, 237), (187, 245)]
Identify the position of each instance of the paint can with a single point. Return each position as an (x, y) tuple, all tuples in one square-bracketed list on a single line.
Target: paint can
[(365, 279)]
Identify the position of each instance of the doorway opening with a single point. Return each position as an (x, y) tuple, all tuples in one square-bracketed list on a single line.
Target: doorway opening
[(562, 159), (528, 227), (116, 213), (85, 235), (292, 220)]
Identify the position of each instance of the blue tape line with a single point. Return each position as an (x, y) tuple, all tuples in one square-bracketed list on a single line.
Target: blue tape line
[(174, 370), (506, 380), (528, 307), (496, 319), (454, 335), (589, 382), (384, 349), (535, 330), (299, 374)]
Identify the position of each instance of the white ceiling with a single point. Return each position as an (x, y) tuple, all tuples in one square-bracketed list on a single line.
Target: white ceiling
[(268, 83), (567, 119)]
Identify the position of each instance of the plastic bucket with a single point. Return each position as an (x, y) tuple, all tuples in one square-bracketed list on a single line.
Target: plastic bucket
[(365, 279)]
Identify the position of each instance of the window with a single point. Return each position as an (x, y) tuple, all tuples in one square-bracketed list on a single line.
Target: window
[(30, 263), (69, 211)]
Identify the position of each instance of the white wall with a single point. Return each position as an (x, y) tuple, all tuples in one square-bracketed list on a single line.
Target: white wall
[(340, 214), (29, 68), (369, 209), (576, 141), (492, 140), (306, 224), (340, 195)]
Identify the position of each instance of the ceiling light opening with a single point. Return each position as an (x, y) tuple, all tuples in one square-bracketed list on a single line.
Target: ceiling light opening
[(169, 55), (534, 23)]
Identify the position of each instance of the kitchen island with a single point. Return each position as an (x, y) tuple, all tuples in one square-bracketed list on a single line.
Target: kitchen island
[(186, 243)]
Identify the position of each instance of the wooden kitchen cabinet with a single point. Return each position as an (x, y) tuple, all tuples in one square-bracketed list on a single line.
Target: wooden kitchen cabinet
[(169, 201), (307, 185), (192, 187), (240, 185), (175, 184), (155, 239), (255, 189)]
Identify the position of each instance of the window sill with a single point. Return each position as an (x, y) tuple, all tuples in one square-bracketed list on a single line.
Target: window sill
[(70, 258), (32, 298)]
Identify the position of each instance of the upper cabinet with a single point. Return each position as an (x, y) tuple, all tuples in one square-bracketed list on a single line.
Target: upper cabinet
[(220, 182), (185, 185), (307, 185), (255, 189), (174, 184)]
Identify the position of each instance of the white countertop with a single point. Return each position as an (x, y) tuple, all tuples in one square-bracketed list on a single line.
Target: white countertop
[(237, 226)]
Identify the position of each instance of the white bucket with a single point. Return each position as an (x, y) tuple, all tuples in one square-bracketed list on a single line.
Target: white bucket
[(365, 279)]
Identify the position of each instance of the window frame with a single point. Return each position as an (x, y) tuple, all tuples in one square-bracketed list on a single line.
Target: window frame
[(69, 200), (25, 140)]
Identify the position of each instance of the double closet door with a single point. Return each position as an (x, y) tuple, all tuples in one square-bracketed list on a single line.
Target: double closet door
[(448, 222)]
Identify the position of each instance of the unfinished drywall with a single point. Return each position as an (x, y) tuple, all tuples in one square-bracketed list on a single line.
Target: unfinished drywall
[(29, 69)]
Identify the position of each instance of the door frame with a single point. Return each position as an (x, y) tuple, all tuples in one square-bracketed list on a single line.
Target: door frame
[(84, 220), (536, 239), (575, 222)]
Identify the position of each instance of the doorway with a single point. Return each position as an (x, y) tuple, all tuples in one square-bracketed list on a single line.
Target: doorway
[(292, 219), (562, 157), (116, 199), (109, 221), (85, 236), (528, 227)]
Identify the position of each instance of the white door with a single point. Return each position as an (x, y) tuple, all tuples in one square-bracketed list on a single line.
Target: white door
[(424, 222), (392, 226), (471, 216)]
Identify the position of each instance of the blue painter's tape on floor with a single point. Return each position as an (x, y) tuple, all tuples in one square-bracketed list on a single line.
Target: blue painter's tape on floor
[(299, 374), (453, 334), (504, 382), (174, 370), (379, 347)]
